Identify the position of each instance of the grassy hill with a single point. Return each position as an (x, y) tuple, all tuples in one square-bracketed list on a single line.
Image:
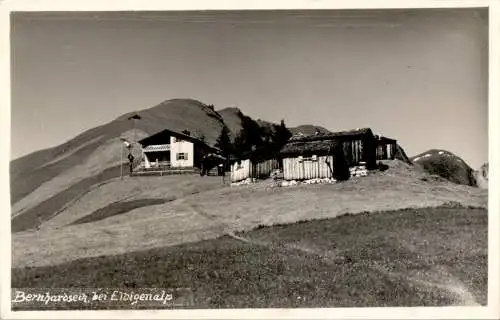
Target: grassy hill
[(177, 209), (44, 182), (395, 240), (75, 222), (447, 165), (29, 172), (232, 118), (308, 129)]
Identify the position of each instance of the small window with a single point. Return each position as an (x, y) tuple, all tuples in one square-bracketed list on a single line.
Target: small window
[(182, 156), (174, 140)]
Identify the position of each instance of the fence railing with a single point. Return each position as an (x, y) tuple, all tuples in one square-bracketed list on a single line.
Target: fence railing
[(165, 171), (155, 165)]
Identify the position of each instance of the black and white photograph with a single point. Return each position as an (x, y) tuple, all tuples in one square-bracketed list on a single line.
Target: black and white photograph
[(242, 159)]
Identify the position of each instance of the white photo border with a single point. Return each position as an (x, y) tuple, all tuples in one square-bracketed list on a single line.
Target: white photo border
[(491, 311)]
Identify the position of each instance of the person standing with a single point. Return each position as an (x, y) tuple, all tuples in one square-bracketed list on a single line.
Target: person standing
[(131, 162)]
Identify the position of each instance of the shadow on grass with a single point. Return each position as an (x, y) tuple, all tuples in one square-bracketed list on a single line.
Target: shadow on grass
[(118, 208), (40, 213)]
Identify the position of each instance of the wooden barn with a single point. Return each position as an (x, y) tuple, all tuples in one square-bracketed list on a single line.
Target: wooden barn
[(257, 165), (311, 157), (386, 148)]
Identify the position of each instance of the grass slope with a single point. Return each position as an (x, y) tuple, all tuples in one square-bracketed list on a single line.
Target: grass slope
[(180, 114), (118, 208), (43, 175), (401, 155), (115, 193), (46, 209), (176, 114), (232, 120), (412, 257), (204, 208)]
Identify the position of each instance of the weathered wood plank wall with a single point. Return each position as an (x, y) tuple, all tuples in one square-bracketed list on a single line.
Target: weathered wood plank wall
[(263, 169), (294, 169), (386, 151), (246, 169), (240, 171), (353, 151)]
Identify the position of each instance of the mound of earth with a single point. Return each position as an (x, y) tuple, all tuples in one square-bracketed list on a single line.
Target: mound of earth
[(447, 165), (401, 155), (481, 176)]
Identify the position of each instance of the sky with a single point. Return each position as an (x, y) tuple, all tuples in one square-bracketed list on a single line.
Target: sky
[(419, 76)]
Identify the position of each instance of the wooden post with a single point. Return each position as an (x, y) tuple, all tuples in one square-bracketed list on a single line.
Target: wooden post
[(121, 162), (222, 172), (133, 129)]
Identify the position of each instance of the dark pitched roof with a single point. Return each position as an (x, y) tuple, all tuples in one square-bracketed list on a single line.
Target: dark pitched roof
[(316, 147), (321, 144), (179, 135), (385, 139), (334, 135), (214, 156)]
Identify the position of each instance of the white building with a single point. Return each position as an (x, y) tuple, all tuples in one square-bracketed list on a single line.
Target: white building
[(170, 149)]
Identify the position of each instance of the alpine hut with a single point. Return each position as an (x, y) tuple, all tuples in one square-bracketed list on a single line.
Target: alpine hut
[(169, 151), (323, 155), (257, 164)]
